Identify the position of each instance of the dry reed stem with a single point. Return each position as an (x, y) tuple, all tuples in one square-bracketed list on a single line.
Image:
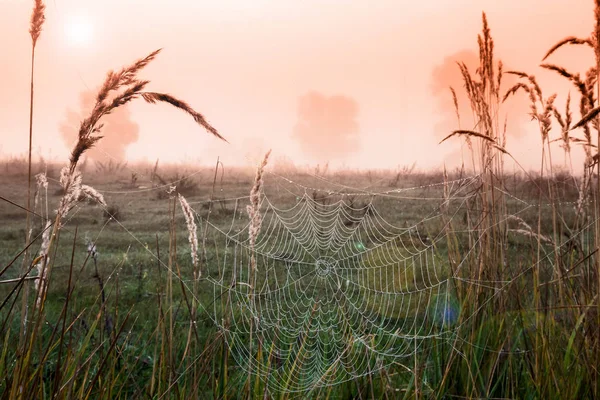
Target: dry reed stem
[(254, 208)]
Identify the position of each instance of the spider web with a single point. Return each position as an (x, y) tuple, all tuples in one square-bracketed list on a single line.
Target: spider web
[(348, 282), (338, 292)]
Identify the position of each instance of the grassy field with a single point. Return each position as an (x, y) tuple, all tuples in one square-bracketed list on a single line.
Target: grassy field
[(152, 281), (128, 307)]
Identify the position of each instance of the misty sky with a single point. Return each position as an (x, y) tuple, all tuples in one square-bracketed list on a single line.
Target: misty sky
[(247, 65)]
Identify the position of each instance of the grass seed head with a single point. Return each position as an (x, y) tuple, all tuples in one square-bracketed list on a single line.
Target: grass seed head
[(188, 214), (93, 194), (37, 20), (254, 208), (71, 185)]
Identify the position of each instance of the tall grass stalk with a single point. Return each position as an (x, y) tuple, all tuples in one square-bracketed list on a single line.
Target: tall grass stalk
[(35, 29)]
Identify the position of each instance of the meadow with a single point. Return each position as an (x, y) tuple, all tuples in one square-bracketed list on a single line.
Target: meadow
[(175, 281)]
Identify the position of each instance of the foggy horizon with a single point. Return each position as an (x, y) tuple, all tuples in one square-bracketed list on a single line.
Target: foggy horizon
[(353, 84)]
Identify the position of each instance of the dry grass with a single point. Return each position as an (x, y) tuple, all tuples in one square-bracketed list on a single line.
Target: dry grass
[(188, 213), (254, 208), (37, 20)]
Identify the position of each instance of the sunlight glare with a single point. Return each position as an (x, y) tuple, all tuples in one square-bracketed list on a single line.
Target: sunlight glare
[(78, 31)]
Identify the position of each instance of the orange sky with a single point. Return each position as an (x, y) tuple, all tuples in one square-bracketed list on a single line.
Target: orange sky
[(246, 64)]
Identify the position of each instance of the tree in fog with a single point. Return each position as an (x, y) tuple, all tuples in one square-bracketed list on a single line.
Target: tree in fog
[(119, 130), (327, 126)]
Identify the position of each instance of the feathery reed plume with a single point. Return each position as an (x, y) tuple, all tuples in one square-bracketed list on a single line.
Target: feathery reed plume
[(446, 194), (455, 101), (565, 125), (545, 121), (152, 97), (41, 183), (536, 97), (37, 20), (568, 115), (586, 88), (525, 229), (188, 213), (587, 118), (126, 87), (568, 40), (41, 180), (574, 78), (73, 190), (500, 75), (514, 89), (535, 86), (475, 134), (93, 194), (483, 91), (583, 198), (71, 184), (41, 282), (518, 73), (456, 110), (254, 208)]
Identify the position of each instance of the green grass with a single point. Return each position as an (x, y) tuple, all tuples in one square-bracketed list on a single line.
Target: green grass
[(142, 342)]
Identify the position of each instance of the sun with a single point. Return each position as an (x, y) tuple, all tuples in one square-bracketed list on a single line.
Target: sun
[(78, 31)]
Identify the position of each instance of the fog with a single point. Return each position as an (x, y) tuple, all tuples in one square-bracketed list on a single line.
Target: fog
[(327, 127), (354, 83)]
